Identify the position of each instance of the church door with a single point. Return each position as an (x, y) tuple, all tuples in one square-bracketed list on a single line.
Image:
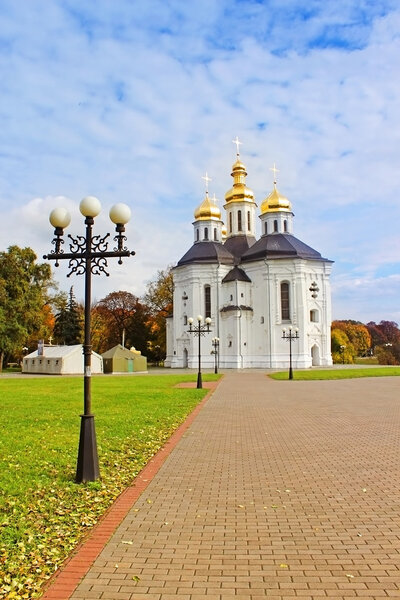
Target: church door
[(315, 355)]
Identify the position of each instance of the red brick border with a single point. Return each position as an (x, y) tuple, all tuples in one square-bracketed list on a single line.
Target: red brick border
[(66, 579)]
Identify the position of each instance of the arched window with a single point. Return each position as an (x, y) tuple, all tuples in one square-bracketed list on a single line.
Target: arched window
[(197, 235), (248, 221), (265, 228), (230, 222), (285, 301), (215, 234), (185, 321), (206, 233), (314, 318), (239, 220), (275, 225), (207, 301), (285, 225)]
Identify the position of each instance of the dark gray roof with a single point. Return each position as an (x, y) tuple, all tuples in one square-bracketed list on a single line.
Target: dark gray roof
[(207, 252), (280, 245), (238, 244), (236, 274), (232, 307)]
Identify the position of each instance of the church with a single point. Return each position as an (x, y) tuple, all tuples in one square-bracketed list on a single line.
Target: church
[(253, 292)]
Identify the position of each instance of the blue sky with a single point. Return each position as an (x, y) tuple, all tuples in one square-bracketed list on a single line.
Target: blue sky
[(134, 100)]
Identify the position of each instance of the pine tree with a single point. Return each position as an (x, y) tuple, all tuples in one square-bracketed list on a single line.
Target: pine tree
[(68, 324)]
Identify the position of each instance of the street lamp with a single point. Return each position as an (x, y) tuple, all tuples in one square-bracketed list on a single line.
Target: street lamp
[(199, 330), (342, 349), (215, 345), (88, 256), (289, 335)]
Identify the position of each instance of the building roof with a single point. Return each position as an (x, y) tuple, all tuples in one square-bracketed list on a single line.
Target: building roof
[(239, 244), (280, 245), (119, 351), (56, 351), (236, 274), (59, 351), (207, 252)]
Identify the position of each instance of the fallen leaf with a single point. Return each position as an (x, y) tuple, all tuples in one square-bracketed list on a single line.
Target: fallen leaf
[(127, 542), (135, 578), (349, 575), (284, 566), (240, 506)]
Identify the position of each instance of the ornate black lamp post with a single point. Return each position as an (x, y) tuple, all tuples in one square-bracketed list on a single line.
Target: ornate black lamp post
[(289, 335), (88, 255), (215, 345), (199, 330)]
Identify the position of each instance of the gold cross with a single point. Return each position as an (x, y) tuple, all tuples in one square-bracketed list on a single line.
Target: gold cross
[(237, 145), (206, 179), (275, 170)]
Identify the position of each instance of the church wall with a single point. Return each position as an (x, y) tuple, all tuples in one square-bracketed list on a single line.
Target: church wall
[(252, 338)]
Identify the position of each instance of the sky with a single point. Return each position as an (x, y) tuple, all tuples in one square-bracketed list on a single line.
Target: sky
[(135, 100)]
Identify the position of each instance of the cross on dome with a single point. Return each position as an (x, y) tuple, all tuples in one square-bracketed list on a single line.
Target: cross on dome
[(275, 171), (206, 179), (236, 141)]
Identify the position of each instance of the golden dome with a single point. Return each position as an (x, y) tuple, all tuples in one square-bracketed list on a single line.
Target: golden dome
[(239, 191), (207, 210), (276, 203)]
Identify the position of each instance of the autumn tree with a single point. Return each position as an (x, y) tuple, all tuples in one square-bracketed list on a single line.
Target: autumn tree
[(385, 341), (343, 350), (159, 299), (24, 292), (357, 334), (121, 316)]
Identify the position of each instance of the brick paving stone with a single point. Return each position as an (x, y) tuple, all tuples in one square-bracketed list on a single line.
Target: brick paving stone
[(277, 490)]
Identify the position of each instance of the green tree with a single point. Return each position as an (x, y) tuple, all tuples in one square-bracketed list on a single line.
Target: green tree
[(24, 291), (68, 321)]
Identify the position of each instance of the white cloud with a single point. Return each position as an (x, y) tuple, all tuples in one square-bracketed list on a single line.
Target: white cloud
[(134, 104)]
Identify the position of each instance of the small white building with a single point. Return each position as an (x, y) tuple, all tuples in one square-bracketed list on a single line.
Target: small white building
[(60, 360)]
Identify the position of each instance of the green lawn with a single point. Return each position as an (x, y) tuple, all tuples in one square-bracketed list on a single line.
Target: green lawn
[(43, 513), (338, 373)]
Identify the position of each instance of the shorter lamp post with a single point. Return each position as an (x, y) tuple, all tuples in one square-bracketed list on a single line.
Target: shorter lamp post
[(289, 335), (215, 345), (199, 330), (342, 349)]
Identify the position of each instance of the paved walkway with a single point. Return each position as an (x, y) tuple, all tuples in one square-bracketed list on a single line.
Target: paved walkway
[(277, 490)]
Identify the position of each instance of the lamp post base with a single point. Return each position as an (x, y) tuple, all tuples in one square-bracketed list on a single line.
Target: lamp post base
[(199, 381), (87, 468)]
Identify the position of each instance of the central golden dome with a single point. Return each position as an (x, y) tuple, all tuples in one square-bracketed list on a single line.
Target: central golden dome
[(207, 210), (275, 203), (239, 191)]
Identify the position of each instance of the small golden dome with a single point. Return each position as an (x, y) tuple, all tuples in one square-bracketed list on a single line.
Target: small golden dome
[(276, 203), (239, 191), (207, 210)]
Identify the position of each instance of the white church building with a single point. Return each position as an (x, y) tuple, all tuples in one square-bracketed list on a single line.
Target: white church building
[(251, 289)]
